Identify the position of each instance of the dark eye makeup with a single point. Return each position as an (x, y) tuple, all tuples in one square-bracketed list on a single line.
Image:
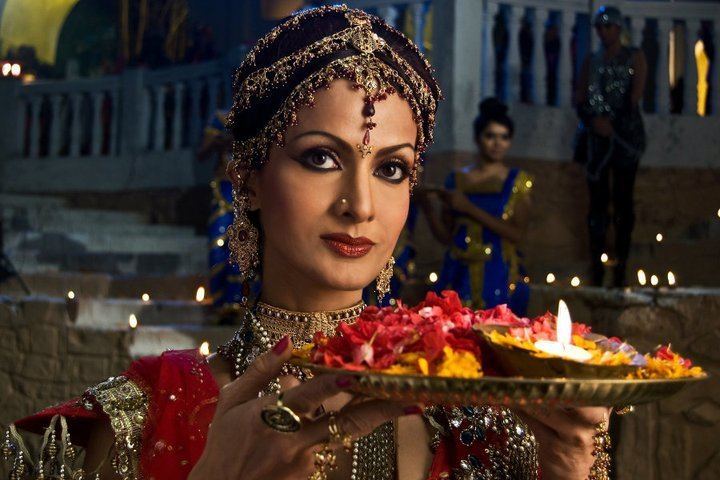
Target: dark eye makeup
[(323, 159)]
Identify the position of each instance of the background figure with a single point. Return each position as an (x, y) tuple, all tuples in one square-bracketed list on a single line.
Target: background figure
[(225, 281), (485, 212), (611, 138)]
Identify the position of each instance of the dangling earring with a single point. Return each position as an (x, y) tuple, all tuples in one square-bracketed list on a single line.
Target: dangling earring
[(382, 282), (243, 236)]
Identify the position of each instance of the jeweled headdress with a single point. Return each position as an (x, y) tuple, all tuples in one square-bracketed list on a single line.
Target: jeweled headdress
[(269, 89)]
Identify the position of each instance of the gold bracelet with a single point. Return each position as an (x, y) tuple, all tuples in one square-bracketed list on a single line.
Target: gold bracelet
[(600, 469), (627, 409), (325, 462)]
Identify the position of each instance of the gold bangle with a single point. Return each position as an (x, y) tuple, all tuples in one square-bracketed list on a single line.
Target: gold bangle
[(627, 409), (337, 435), (600, 469)]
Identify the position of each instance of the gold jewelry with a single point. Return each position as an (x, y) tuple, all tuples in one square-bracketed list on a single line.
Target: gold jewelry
[(382, 282), (337, 435), (600, 469), (626, 410), (280, 418), (325, 462), (243, 236), (364, 65)]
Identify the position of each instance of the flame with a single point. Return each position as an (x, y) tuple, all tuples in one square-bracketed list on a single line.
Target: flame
[(550, 277), (654, 280), (200, 294), (671, 278), (642, 279), (133, 321), (564, 323), (204, 348), (71, 294), (575, 282), (145, 297)]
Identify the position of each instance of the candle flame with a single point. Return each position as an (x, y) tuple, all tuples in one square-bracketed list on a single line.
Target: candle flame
[(604, 258), (564, 323), (659, 237), (671, 278), (575, 281), (71, 295), (433, 277), (550, 277), (205, 348), (145, 297), (133, 321), (654, 280), (642, 279), (200, 294)]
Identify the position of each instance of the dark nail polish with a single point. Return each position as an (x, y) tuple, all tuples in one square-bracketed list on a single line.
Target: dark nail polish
[(413, 410), (281, 346), (345, 381)]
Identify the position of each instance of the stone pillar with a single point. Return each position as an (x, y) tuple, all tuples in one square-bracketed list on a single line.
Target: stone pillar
[(12, 120), (97, 100), (418, 16), (638, 24), (389, 13), (133, 127), (539, 62), (75, 126), (564, 83), (488, 66), (663, 80), (196, 120), (35, 105), (515, 19), (159, 127), (690, 95), (115, 122), (457, 36), (178, 115), (55, 124)]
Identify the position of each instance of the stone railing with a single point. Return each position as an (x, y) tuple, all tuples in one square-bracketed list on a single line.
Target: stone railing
[(108, 122)]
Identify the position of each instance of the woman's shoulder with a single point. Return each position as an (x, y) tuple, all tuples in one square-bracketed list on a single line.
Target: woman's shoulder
[(524, 181)]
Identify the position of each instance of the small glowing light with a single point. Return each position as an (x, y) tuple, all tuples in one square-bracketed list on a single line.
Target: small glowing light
[(71, 294), (642, 279), (671, 279), (468, 239), (550, 277), (659, 237), (6, 68), (575, 282), (200, 294), (718, 212), (133, 321), (604, 258), (488, 250), (392, 302), (204, 349), (433, 277), (654, 280), (512, 287), (15, 70), (145, 297), (526, 279), (528, 184), (220, 242)]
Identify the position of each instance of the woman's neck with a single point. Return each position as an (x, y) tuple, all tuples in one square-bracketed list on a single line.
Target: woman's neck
[(288, 289)]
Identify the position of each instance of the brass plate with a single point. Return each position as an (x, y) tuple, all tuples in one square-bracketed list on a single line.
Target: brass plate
[(510, 391)]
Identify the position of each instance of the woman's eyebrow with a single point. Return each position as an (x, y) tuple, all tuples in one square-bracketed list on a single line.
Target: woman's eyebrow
[(348, 147)]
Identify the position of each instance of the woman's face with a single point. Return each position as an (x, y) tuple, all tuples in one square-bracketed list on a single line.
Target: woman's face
[(494, 142), (608, 33), (330, 216)]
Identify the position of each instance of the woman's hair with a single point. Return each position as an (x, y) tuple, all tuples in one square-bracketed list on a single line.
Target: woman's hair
[(306, 52), (492, 110)]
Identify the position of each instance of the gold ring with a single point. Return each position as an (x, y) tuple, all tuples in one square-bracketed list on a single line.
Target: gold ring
[(325, 462), (280, 418), (625, 410), (600, 469), (337, 435)]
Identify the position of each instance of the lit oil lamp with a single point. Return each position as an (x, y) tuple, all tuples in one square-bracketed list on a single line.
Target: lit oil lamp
[(563, 347)]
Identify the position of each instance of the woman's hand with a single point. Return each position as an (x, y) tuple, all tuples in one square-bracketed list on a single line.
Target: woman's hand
[(565, 439), (241, 446), (456, 201)]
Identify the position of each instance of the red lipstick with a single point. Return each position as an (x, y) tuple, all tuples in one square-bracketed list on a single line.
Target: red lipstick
[(346, 245)]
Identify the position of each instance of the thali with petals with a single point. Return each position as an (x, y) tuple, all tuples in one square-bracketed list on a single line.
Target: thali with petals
[(510, 391)]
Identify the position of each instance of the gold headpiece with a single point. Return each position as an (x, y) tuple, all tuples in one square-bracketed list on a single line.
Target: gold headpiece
[(366, 66)]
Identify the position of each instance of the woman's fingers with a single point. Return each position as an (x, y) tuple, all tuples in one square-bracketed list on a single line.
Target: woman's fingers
[(306, 398), (259, 374), (359, 419), (575, 425)]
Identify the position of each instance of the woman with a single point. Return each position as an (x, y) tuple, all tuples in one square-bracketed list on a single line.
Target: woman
[(331, 110), (485, 212)]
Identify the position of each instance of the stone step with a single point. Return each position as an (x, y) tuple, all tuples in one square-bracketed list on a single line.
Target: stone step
[(153, 340), (114, 263), (105, 285), (22, 218), (114, 313), (30, 201)]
